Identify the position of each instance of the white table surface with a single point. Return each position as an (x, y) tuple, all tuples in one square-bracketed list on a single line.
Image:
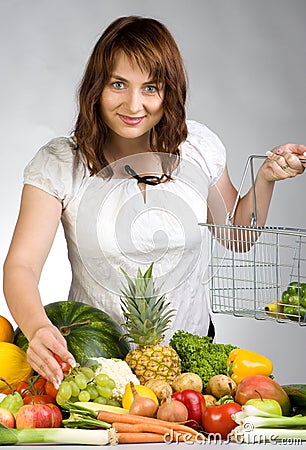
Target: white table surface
[(172, 446)]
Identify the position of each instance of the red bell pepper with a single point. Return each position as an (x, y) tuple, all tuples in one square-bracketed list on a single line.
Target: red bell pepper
[(194, 402)]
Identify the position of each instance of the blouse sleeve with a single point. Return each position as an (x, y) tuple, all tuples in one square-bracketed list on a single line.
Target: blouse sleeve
[(204, 148), (53, 169)]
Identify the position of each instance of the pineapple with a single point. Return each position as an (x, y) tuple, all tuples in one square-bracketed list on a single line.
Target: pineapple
[(146, 320)]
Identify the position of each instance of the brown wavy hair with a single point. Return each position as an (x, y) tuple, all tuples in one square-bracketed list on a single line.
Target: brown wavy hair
[(149, 43)]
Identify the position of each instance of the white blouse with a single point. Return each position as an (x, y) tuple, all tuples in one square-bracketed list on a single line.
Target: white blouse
[(109, 225)]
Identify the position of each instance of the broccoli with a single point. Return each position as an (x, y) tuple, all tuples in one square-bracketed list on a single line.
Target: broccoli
[(199, 355)]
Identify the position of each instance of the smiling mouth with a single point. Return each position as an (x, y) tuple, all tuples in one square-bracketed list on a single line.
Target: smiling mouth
[(131, 120)]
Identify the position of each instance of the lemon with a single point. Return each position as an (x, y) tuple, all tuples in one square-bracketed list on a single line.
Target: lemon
[(143, 391)]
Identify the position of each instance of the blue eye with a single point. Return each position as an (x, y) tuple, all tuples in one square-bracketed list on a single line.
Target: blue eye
[(151, 89), (118, 85)]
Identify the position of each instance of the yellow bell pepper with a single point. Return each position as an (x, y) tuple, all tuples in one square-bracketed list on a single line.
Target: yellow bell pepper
[(243, 363)]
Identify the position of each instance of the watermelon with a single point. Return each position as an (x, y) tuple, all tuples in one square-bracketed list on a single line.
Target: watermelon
[(89, 331)]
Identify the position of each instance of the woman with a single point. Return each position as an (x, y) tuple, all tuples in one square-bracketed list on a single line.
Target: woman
[(134, 168)]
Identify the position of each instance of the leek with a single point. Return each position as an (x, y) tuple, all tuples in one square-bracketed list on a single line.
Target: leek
[(256, 418), (275, 422), (11, 436), (259, 427), (287, 436)]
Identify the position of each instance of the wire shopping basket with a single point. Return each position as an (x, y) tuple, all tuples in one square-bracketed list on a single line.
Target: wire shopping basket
[(257, 272)]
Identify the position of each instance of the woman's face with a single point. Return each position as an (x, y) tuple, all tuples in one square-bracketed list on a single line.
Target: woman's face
[(131, 102)]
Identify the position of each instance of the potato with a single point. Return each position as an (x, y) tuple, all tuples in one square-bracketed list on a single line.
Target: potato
[(220, 385), (209, 400), (187, 380), (162, 389)]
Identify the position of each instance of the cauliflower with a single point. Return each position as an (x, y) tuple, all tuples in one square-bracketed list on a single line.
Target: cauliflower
[(119, 371)]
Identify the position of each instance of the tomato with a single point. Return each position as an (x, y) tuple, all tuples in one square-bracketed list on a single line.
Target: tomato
[(51, 390), (32, 386), (39, 385), (22, 387), (63, 365), (38, 399), (217, 419)]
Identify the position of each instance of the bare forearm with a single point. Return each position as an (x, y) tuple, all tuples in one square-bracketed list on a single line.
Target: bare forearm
[(23, 298), (245, 208)]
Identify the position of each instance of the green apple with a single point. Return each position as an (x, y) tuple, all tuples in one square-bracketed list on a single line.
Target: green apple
[(266, 404)]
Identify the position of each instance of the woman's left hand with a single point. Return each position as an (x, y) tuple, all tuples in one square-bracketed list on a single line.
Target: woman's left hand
[(284, 162)]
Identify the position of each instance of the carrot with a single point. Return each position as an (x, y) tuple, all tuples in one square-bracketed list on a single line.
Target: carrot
[(139, 428), (138, 438), (148, 428), (142, 438), (111, 417)]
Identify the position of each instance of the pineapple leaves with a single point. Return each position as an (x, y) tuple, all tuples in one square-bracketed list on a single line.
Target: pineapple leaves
[(147, 315), (130, 282), (148, 273)]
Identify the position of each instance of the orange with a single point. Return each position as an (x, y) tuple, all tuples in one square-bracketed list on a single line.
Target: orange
[(6, 330)]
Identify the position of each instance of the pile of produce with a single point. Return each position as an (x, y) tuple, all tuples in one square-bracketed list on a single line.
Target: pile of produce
[(191, 390), (292, 305), (199, 355)]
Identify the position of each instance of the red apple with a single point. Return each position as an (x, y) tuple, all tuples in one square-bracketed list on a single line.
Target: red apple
[(35, 416), (254, 385), (57, 415), (7, 418)]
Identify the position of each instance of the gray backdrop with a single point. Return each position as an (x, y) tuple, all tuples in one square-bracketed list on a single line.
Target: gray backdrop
[(246, 64)]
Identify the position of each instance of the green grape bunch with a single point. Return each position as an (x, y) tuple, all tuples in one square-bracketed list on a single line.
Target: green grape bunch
[(81, 384)]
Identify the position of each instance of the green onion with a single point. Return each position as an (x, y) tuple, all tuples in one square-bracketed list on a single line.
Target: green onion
[(276, 422), (250, 410), (10, 436), (80, 421), (259, 427), (82, 417), (287, 436), (257, 418)]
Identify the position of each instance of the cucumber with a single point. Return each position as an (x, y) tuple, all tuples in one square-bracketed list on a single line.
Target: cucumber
[(296, 394)]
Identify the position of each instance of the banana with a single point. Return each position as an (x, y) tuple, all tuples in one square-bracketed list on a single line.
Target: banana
[(275, 309)]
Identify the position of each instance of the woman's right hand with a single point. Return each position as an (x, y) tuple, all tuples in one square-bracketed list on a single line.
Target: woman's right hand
[(45, 342)]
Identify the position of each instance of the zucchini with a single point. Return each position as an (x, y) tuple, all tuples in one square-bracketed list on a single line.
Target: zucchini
[(296, 394), (99, 407)]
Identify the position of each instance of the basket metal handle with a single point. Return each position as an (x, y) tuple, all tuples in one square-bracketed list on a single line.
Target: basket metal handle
[(249, 164)]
